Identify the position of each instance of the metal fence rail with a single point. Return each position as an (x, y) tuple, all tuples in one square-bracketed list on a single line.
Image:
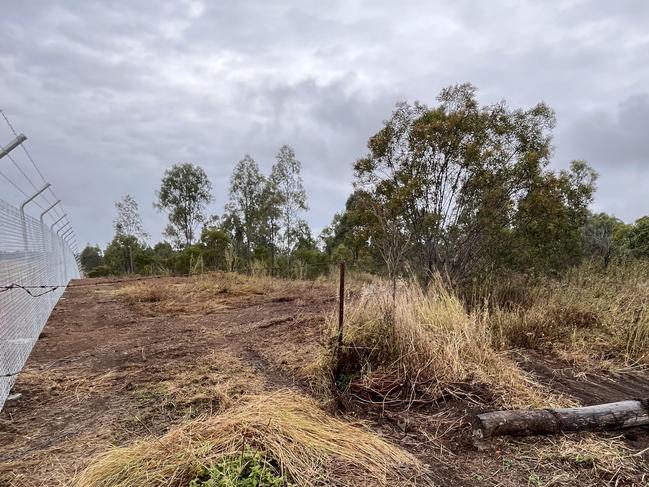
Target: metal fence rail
[(31, 253)]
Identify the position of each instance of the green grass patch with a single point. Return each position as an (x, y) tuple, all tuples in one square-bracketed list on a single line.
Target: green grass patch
[(250, 469)]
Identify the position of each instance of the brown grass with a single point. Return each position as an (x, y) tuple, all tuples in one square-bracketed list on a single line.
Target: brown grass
[(310, 447), (429, 345), (600, 316), (586, 460), (208, 293), (195, 390)]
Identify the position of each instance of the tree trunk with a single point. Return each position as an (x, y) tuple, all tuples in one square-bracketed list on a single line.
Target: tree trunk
[(272, 249), (288, 250), (248, 253), (130, 259), (428, 271), (607, 259), (602, 417)]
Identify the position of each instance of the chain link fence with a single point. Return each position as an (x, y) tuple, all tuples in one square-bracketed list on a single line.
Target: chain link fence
[(31, 254)]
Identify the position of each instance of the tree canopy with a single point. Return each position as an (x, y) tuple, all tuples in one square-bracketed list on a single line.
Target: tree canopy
[(184, 193), (288, 188), (457, 188), (245, 207), (128, 233), (450, 187)]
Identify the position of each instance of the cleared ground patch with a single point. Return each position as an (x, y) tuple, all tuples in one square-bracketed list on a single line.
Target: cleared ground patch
[(113, 368)]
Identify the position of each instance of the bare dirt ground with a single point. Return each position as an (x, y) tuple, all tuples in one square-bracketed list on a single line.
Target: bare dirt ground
[(105, 372)]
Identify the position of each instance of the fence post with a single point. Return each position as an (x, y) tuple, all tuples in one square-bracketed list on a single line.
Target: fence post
[(12, 145), (341, 321), (22, 212), (43, 227), (341, 305)]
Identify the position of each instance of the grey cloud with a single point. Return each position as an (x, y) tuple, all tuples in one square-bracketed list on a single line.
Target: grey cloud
[(615, 139), (112, 94), (615, 143)]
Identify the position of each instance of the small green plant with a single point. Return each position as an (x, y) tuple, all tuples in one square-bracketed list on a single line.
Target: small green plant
[(250, 469), (152, 394), (585, 461), (344, 379)]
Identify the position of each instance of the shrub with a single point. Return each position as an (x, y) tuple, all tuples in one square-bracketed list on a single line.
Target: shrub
[(101, 271)]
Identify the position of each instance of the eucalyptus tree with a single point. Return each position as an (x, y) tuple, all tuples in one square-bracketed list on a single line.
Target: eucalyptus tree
[(184, 193), (128, 220), (288, 189), (547, 234), (638, 237), (91, 257), (247, 192), (271, 214), (128, 228), (599, 237), (445, 182)]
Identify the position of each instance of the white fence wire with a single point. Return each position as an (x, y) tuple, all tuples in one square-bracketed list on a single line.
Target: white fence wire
[(31, 254)]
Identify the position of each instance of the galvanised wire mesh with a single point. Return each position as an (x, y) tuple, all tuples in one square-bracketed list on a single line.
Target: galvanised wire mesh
[(31, 254)]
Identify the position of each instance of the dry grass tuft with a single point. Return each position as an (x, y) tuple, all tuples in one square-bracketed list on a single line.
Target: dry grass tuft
[(310, 448), (209, 293), (427, 345), (603, 315), (593, 459)]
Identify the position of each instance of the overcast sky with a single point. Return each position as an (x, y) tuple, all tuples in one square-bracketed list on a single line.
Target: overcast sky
[(112, 93)]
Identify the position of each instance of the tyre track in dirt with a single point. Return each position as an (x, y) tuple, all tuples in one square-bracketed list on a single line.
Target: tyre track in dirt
[(587, 387)]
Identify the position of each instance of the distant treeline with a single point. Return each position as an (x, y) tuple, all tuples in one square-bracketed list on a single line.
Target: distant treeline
[(457, 188)]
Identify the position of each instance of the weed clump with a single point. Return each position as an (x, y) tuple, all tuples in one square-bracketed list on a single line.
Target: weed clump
[(250, 468)]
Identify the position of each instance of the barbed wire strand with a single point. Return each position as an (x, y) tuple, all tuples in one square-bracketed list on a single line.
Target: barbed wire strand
[(22, 172), (50, 288), (38, 171), (13, 184), (8, 179)]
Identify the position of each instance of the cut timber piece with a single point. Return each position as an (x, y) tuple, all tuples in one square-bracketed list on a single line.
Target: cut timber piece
[(611, 416)]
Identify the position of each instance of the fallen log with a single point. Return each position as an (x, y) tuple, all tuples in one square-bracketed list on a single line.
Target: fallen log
[(602, 417)]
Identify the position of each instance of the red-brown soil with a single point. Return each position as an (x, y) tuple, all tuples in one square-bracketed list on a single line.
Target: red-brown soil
[(105, 372)]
